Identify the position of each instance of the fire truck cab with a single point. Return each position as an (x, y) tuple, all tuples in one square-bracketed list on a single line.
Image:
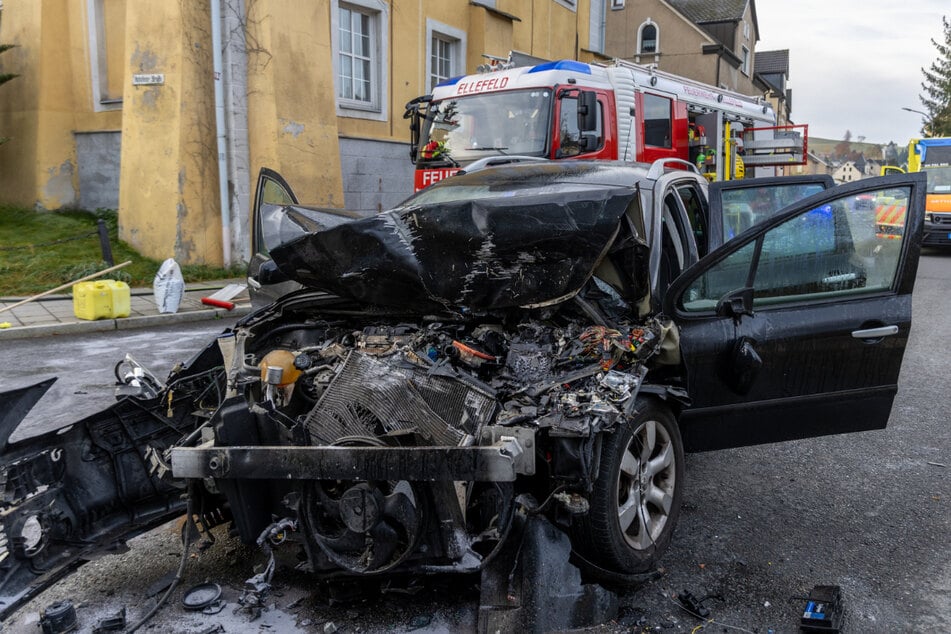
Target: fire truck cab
[(568, 109), (933, 157)]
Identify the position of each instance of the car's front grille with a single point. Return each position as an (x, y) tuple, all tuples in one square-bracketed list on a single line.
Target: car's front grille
[(941, 219)]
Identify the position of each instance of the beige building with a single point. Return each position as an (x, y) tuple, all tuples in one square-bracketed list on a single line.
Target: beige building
[(848, 172), (167, 110)]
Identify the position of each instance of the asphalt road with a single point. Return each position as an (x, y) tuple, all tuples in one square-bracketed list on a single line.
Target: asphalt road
[(760, 526)]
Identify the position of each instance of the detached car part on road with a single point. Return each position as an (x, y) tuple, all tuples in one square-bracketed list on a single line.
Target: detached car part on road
[(541, 338)]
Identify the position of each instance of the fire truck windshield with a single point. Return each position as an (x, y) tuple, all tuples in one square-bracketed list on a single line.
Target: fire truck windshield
[(939, 179), (464, 129)]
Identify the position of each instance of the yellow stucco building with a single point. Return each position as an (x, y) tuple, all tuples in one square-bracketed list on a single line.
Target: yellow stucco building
[(116, 101), (115, 104)]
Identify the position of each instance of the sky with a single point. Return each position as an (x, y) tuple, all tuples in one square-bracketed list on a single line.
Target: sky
[(853, 64)]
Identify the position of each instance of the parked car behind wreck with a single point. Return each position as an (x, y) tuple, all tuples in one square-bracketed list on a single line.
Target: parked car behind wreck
[(539, 338)]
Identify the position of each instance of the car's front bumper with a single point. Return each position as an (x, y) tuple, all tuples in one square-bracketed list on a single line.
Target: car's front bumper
[(510, 453)]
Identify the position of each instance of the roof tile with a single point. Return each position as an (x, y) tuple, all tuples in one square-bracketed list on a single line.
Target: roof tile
[(701, 11), (769, 62)]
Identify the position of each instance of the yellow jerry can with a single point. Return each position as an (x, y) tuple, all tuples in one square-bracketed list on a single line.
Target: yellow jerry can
[(102, 299)]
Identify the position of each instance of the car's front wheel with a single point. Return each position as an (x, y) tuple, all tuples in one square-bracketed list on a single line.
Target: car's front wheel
[(636, 498)]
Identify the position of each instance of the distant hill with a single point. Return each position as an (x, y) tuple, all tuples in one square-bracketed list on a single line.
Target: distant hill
[(823, 147)]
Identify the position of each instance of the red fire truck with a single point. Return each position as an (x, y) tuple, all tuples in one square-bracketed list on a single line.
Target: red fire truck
[(618, 111)]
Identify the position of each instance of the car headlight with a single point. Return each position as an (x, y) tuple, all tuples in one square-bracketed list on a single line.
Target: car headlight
[(929, 217)]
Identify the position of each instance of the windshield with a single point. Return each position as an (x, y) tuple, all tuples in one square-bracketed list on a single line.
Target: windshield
[(939, 179), (465, 129)]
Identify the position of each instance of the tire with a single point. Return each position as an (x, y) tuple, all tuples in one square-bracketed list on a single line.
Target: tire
[(636, 498)]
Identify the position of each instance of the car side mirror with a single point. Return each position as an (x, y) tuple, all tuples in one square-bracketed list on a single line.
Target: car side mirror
[(736, 303), (270, 274)]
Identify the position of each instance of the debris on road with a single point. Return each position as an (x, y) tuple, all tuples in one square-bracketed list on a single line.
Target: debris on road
[(201, 596), (111, 623), (823, 611), (222, 298), (59, 618)]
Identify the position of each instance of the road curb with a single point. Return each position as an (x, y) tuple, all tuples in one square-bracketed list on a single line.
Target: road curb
[(125, 323)]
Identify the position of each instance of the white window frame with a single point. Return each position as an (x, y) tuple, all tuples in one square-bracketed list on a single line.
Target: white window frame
[(745, 57), (640, 38), (376, 108), (617, 4), (457, 38), (98, 57), (746, 29)]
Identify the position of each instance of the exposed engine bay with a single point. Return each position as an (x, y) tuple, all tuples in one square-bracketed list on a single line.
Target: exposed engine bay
[(469, 408), (384, 444)]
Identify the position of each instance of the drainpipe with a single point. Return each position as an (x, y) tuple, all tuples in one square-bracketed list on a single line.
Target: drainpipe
[(222, 136)]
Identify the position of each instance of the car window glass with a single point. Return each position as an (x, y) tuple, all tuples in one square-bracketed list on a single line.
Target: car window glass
[(473, 127), (570, 135), (672, 230), (272, 193), (695, 205), (656, 121), (939, 179), (568, 131), (728, 275), (746, 206), (674, 247), (839, 249)]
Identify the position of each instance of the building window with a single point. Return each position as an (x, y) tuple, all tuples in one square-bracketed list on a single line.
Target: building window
[(440, 63), (358, 31), (745, 58), (356, 56), (106, 20), (648, 38), (617, 4), (571, 4), (746, 29), (446, 52)]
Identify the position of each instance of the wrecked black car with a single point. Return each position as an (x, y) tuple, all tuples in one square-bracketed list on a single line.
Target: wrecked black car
[(543, 339)]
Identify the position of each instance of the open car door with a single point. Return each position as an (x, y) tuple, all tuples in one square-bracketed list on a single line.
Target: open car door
[(271, 196), (797, 327), (277, 217), (737, 205)]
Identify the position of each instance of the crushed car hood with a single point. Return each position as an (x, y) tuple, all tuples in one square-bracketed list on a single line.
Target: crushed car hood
[(495, 252)]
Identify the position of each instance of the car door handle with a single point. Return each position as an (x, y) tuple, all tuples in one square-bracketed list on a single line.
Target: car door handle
[(875, 333)]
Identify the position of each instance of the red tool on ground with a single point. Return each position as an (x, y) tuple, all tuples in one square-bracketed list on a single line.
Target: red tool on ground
[(221, 298)]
